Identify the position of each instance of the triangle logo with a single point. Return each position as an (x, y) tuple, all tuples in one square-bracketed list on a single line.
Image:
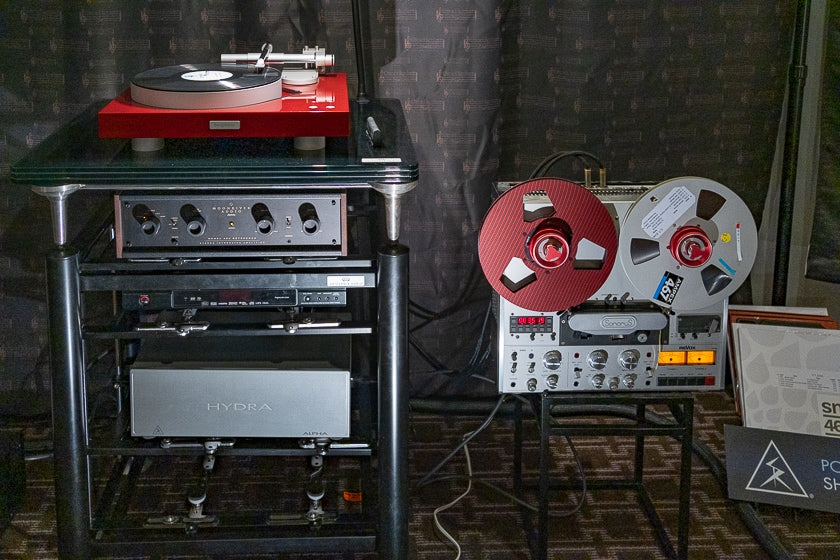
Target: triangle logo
[(773, 475)]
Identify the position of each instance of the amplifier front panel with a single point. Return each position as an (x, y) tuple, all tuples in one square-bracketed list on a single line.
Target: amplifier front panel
[(231, 225)]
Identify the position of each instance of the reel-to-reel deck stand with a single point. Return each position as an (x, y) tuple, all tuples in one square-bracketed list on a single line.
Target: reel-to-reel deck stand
[(614, 288)]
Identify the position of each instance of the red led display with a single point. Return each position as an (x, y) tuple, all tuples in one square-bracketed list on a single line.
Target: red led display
[(531, 320)]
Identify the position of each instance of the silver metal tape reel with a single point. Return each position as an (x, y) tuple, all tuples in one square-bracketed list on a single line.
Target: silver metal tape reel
[(688, 243)]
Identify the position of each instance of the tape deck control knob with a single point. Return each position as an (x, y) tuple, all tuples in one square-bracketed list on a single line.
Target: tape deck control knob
[(629, 359), (597, 359), (552, 359)]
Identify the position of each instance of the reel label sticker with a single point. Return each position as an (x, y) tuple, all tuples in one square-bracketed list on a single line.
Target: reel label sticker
[(676, 203), (668, 288)]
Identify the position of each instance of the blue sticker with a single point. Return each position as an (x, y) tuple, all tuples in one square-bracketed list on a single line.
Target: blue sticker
[(727, 267)]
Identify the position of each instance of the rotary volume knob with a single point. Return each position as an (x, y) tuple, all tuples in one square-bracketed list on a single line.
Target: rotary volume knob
[(263, 218), (193, 219), (149, 223), (310, 222)]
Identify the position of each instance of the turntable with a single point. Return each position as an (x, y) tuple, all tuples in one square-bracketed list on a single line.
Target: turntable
[(244, 96)]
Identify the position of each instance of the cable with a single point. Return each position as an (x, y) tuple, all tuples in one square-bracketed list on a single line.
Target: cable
[(465, 441), (476, 361), (545, 165), (438, 524), (513, 498), (765, 537), (752, 521)]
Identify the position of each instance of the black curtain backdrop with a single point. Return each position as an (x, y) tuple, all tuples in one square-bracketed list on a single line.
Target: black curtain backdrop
[(824, 250), (656, 89)]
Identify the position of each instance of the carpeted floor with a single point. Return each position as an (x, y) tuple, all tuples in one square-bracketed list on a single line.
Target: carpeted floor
[(486, 523)]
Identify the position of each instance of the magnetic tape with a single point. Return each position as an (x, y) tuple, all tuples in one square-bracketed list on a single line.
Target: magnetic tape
[(621, 287)]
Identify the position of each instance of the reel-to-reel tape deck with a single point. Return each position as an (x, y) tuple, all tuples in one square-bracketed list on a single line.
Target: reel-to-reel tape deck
[(614, 288)]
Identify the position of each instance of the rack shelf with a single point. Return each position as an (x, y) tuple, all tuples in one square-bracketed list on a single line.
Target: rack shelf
[(97, 460)]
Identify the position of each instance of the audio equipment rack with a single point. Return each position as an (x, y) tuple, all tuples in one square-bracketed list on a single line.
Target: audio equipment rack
[(221, 297)]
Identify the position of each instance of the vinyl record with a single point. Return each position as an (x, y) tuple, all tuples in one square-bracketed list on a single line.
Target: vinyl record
[(206, 86), (688, 243), (547, 245)]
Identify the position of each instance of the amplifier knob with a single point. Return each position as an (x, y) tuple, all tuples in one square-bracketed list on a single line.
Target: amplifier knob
[(193, 218), (597, 359), (149, 223), (263, 218), (552, 359), (629, 359), (551, 381), (532, 384), (598, 380), (630, 380), (309, 219)]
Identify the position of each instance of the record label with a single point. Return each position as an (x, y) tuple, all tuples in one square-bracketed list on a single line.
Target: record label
[(206, 76)]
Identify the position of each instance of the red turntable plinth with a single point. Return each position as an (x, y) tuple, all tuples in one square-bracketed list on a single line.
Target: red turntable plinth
[(322, 109)]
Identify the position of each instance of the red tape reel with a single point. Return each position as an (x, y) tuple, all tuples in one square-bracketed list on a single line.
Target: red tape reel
[(547, 245)]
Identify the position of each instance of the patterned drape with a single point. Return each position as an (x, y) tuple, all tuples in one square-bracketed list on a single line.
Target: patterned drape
[(824, 253), (656, 89)]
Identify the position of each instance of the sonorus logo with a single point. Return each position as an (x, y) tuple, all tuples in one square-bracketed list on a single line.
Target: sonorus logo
[(237, 407), (618, 322)]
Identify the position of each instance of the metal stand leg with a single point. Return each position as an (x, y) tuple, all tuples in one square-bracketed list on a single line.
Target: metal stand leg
[(68, 402), (393, 401), (687, 421), (681, 408)]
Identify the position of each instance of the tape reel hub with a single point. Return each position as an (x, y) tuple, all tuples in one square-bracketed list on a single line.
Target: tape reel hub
[(549, 245), (691, 247)]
